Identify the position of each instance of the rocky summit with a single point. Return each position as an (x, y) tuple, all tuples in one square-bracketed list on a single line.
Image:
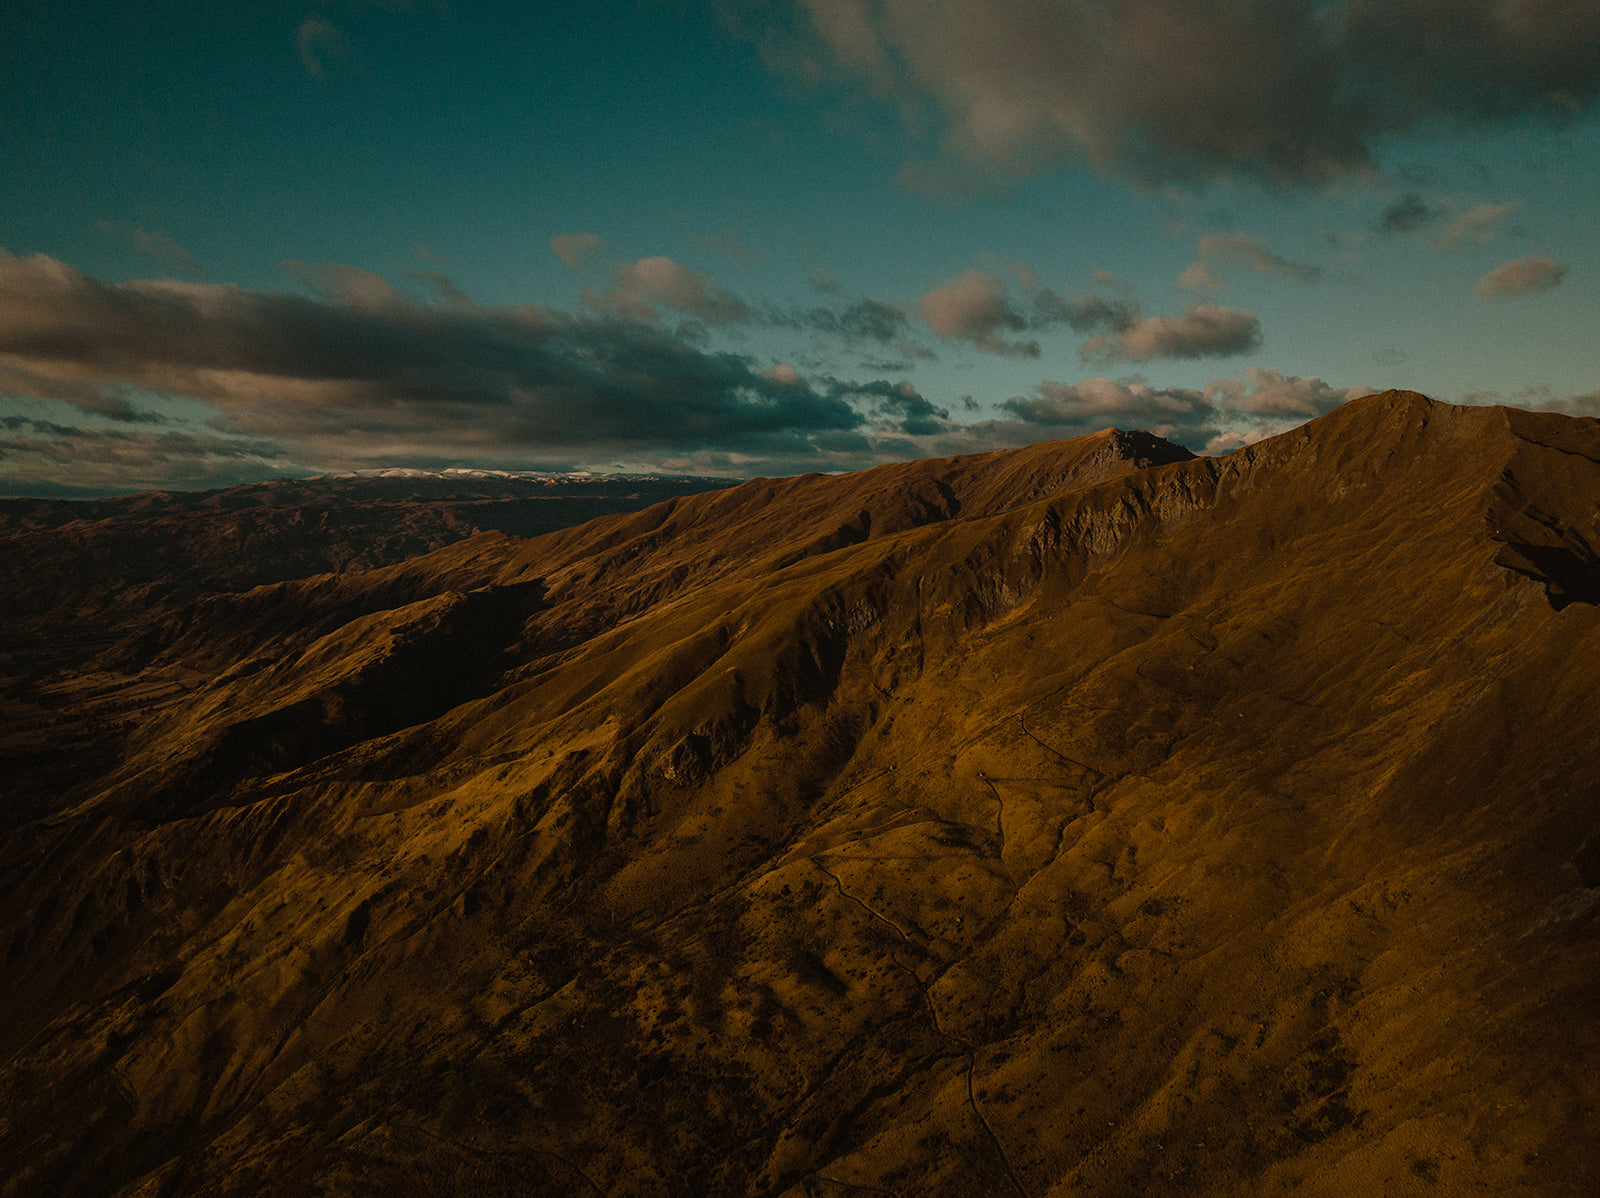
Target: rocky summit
[(1085, 819)]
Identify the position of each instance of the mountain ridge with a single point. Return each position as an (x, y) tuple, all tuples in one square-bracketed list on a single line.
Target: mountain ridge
[(1208, 826)]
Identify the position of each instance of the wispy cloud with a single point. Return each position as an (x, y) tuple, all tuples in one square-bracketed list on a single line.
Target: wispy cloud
[(318, 41), (1407, 214), (643, 289), (575, 249), (1479, 223), (1083, 311), (1224, 249), (1519, 277), (442, 286), (730, 244), (1541, 397), (344, 284), (899, 407), (157, 246), (865, 320)]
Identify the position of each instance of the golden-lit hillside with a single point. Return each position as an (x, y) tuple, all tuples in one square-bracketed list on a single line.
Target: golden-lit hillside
[(1078, 820)]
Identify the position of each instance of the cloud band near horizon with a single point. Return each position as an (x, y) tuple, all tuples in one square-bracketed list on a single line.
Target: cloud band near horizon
[(359, 373)]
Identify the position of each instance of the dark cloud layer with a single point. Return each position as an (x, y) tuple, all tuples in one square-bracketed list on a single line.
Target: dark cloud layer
[(1286, 91), (55, 459), (900, 409), (362, 371)]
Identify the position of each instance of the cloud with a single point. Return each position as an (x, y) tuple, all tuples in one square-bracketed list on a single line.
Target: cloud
[(39, 457), (1545, 399), (785, 375), (899, 408), (1519, 277), (730, 244), (1407, 214), (317, 40), (974, 307), (872, 319), (1475, 224), (359, 373), (823, 280), (644, 287), (1099, 401), (1291, 92), (864, 320), (1198, 276), (1224, 414), (1203, 331), (345, 284), (1084, 311), (1473, 61), (1270, 393), (1411, 213), (1541, 398), (98, 399), (442, 286), (158, 246), (575, 249), (1216, 249), (355, 374)]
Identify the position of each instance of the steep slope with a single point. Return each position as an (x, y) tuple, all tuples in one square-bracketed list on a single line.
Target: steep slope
[(1042, 823), (66, 730), (78, 576)]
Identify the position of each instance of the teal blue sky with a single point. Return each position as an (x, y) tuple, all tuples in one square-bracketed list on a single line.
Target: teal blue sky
[(724, 237)]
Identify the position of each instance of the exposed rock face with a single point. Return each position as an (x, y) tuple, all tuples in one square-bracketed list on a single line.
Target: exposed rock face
[(1071, 820)]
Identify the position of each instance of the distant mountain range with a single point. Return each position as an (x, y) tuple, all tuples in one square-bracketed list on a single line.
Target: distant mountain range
[(1082, 819), (78, 570)]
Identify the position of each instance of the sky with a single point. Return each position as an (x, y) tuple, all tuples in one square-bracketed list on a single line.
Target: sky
[(722, 237)]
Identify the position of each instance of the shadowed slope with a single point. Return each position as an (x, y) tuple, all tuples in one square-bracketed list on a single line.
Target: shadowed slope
[(1221, 827)]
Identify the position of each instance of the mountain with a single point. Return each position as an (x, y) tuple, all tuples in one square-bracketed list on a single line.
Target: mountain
[(1082, 819), (77, 570)]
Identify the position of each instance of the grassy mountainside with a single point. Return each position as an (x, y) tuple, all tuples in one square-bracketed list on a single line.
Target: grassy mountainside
[(1071, 820)]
